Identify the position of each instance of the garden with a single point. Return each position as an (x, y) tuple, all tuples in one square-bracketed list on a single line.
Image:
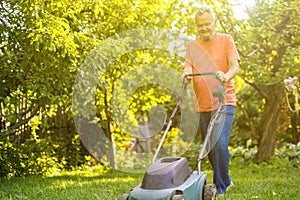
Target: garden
[(87, 87)]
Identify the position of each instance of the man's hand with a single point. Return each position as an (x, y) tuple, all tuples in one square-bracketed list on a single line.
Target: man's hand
[(186, 72), (222, 76), (233, 70), (185, 76)]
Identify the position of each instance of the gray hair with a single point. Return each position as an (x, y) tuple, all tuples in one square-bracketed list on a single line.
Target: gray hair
[(205, 9)]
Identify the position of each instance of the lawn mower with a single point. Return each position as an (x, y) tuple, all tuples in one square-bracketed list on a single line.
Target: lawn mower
[(171, 178)]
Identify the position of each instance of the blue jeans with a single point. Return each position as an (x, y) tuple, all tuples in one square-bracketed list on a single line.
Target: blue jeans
[(219, 156)]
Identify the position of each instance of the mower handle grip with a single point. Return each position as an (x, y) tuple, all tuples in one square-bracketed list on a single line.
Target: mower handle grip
[(206, 74)]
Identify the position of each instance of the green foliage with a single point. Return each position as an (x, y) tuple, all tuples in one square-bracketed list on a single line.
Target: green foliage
[(44, 43), (42, 47), (270, 42), (44, 154), (27, 159), (287, 155), (248, 112), (269, 52), (290, 153), (43, 158)]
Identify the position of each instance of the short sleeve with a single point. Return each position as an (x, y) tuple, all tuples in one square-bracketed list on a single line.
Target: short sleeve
[(232, 53), (188, 57)]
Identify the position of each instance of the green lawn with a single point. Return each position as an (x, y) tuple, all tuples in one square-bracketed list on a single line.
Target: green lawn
[(264, 182), (251, 182)]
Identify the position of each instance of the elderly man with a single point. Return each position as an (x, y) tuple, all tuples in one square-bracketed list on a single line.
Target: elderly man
[(213, 52)]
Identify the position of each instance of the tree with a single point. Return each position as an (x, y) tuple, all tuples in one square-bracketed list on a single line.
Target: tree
[(269, 46), (41, 47), (114, 62), (43, 44)]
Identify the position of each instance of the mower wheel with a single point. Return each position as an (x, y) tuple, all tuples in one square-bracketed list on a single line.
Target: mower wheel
[(178, 197), (124, 197), (210, 192)]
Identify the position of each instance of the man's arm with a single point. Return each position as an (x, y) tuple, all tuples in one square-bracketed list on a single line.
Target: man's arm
[(233, 70)]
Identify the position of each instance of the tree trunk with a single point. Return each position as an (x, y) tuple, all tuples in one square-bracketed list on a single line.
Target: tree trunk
[(268, 123)]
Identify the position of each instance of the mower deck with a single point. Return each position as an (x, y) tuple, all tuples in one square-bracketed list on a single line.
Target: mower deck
[(190, 189)]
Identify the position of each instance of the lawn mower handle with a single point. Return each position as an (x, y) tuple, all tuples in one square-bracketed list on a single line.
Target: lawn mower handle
[(205, 74), (220, 93)]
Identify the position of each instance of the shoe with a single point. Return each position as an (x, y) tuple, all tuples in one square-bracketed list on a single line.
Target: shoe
[(230, 186)]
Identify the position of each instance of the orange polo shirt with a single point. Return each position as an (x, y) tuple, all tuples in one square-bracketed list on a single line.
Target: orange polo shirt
[(211, 56)]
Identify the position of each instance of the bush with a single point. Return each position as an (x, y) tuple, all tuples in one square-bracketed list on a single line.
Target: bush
[(288, 154), (26, 159), (45, 157)]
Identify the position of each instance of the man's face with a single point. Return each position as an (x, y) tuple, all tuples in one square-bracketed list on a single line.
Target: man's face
[(206, 25)]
